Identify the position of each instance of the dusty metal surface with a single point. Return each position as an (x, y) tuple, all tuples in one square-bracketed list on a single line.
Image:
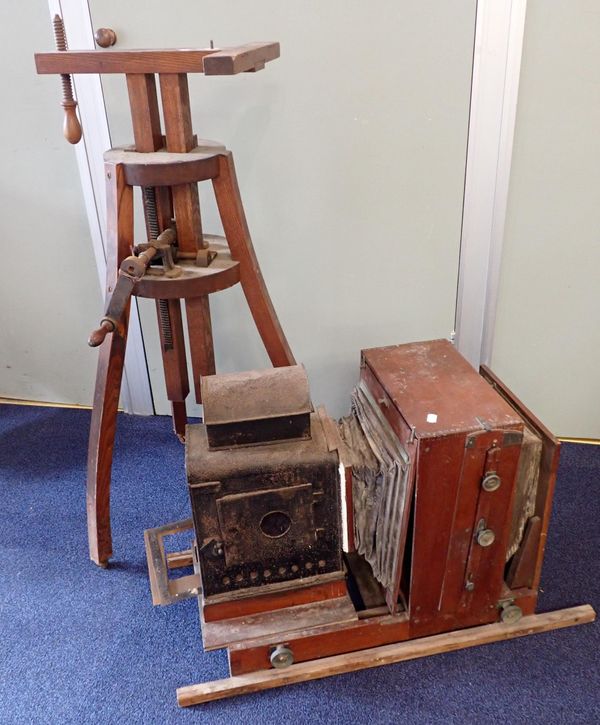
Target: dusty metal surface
[(254, 432), (265, 513), (204, 464), (287, 527)]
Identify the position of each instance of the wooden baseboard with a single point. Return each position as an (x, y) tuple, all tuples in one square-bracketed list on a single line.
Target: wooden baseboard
[(384, 655), (583, 441), (42, 404)]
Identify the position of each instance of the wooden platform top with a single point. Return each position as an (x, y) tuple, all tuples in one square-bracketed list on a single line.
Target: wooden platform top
[(204, 465), (210, 61), (129, 156), (437, 391), (276, 624)]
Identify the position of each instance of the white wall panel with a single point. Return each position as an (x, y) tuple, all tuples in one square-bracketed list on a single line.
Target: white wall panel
[(547, 337), (49, 293), (350, 152)]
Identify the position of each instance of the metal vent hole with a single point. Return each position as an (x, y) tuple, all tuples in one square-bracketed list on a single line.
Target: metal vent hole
[(275, 524)]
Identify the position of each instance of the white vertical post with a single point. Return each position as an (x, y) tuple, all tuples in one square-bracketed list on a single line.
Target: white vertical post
[(496, 70), (136, 395)]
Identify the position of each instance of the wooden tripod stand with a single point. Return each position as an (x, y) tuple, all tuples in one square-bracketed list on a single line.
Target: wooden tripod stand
[(168, 169)]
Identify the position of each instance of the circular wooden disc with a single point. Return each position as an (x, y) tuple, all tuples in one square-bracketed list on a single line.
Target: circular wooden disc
[(163, 168), (221, 273)]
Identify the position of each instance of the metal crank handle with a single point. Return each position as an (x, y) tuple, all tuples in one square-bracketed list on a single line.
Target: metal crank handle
[(112, 320), (136, 265), (132, 269)]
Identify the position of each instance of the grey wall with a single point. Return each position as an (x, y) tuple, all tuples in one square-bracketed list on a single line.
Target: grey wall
[(547, 338), (350, 152), (49, 291)]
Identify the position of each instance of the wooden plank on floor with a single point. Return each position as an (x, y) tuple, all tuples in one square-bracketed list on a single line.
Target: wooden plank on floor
[(384, 655)]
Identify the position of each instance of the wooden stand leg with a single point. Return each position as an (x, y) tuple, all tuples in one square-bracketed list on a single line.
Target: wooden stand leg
[(110, 370), (158, 210), (101, 443), (174, 361), (236, 230), (201, 342)]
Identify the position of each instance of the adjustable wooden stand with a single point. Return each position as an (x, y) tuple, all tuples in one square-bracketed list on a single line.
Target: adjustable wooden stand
[(168, 169)]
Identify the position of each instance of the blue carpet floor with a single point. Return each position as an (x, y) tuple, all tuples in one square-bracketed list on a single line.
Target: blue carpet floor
[(83, 645)]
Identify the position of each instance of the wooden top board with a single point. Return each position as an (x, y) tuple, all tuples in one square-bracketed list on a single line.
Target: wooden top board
[(212, 61), (436, 390)]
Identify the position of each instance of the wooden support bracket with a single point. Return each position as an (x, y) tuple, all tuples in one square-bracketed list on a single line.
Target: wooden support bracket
[(164, 589), (385, 655)]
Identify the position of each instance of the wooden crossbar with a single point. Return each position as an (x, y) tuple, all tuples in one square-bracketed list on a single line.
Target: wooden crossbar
[(385, 655), (212, 61)]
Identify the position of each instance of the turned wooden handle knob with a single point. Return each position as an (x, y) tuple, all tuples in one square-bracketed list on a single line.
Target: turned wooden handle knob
[(105, 37), (71, 126), (97, 336)]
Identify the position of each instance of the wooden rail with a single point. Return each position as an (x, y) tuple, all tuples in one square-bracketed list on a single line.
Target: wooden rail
[(385, 655)]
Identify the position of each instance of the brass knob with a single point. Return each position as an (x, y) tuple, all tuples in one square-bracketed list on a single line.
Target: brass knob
[(491, 482), (486, 537), (105, 37), (281, 657), (511, 614)]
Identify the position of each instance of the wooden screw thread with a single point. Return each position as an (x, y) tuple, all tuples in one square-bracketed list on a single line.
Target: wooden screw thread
[(164, 317), (60, 37), (71, 125), (151, 215)]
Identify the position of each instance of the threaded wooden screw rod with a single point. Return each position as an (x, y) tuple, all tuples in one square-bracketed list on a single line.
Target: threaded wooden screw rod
[(71, 126)]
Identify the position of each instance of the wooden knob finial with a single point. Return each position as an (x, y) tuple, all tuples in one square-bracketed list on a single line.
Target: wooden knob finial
[(105, 37)]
